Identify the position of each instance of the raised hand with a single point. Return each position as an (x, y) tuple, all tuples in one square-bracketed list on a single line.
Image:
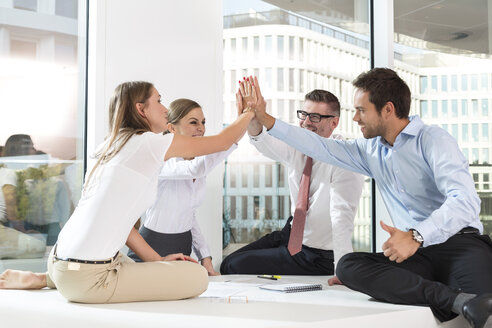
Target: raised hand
[(260, 107), (248, 93), (400, 245)]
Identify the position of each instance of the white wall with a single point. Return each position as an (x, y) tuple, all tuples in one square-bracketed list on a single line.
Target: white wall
[(177, 45)]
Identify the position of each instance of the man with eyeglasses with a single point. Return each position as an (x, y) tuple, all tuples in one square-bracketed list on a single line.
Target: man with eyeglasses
[(436, 254), (333, 196)]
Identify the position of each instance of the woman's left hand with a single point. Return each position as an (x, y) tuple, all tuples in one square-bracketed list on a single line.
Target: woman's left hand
[(178, 257), (207, 264)]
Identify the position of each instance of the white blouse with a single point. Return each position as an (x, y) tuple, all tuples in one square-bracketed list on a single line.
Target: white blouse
[(117, 195), (178, 197)]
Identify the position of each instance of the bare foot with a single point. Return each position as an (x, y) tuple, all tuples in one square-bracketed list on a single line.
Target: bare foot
[(15, 279)]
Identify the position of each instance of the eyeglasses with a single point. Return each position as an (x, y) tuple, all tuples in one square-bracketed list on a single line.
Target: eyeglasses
[(313, 117)]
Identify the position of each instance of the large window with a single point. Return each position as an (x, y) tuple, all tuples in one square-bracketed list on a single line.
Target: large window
[(430, 43), (296, 55), (42, 96)]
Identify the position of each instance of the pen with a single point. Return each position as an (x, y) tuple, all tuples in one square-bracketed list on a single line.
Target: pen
[(269, 276)]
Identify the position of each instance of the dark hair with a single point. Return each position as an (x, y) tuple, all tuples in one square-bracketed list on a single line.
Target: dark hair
[(384, 85), (19, 145), (326, 97)]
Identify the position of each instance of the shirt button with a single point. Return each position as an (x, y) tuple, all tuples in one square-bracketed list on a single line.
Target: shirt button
[(402, 190)]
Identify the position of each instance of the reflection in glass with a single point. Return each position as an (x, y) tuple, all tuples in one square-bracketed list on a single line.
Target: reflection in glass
[(41, 142)]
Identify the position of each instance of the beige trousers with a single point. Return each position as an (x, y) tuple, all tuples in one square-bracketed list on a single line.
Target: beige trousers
[(123, 280)]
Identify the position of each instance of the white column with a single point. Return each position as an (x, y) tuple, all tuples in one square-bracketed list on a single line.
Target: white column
[(383, 57), (383, 33), (158, 41)]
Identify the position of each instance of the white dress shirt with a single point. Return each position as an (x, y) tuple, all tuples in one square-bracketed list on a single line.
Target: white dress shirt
[(334, 195), (178, 197)]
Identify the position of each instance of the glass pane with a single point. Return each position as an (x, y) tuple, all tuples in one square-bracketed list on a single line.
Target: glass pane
[(430, 42), (296, 55), (42, 76)]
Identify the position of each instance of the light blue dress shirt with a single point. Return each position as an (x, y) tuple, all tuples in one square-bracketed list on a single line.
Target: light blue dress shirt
[(423, 178)]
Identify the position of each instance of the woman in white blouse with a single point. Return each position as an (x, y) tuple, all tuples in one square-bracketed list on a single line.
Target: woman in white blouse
[(86, 265), (170, 225)]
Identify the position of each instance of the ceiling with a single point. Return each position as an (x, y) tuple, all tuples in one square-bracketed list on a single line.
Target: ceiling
[(457, 26)]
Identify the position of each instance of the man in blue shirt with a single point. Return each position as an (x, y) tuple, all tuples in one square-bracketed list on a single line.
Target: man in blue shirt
[(435, 254)]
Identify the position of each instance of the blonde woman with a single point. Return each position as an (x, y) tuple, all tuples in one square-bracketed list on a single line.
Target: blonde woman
[(170, 225), (86, 265)]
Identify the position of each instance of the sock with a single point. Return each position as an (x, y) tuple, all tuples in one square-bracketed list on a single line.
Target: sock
[(460, 300)]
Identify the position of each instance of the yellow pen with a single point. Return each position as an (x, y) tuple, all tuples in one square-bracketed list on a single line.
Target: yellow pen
[(269, 276)]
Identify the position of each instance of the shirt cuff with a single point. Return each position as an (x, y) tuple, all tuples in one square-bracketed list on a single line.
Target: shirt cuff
[(258, 137), (428, 230)]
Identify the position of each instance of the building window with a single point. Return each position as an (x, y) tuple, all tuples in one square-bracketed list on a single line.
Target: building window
[(474, 82), (464, 132), (475, 156), (233, 49), (423, 84), (444, 107), (454, 131), (485, 155), (424, 111), (484, 83), (485, 131), (31, 5), (291, 80), (454, 108), (234, 82), (464, 107), (292, 47), (244, 47), (280, 79), (434, 109), (268, 77), (281, 110), (434, 83), (444, 83), (67, 8), (256, 46), (301, 49), (302, 89), (475, 132), (486, 179), (475, 107), (485, 107), (268, 45), (280, 46), (464, 82), (454, 83)]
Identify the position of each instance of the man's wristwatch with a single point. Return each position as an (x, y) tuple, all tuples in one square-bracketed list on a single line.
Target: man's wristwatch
[(417, 236)]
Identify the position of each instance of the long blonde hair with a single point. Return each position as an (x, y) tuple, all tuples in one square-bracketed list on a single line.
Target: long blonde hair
[(124, 120)]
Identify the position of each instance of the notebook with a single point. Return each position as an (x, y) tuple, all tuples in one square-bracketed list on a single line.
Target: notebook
[(292, 288)]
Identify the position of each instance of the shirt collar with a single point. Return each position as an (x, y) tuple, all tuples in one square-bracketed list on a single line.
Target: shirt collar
[(412, 129)]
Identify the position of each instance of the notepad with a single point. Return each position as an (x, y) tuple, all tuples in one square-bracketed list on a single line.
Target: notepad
[(292, 288)]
